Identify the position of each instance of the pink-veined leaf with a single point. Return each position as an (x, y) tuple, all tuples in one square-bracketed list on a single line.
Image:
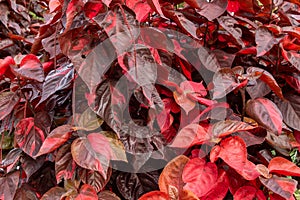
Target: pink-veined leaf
[(29, 137), (266, 113), (64, 163), (55, 139), (92, 152), (227, 127), (267, 78), (87, 192)]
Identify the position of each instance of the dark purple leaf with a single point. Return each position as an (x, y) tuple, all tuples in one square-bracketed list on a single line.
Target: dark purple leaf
[(8, 100), (64, 163), (264, 40), (9, 184)]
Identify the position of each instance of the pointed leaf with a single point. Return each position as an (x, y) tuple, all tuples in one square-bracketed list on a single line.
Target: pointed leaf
[(264, 40), (172, 174), (283, 166), (227, 127), (266, 113), (30, 68), (199, 176), (29, 137), (106, 194), (211, 9), (9, 184), (54, 193), (245, 192), (55, 139), (92, 156), (87, 193), (8, 100), (190, 134), (290, 110), (64, 164)]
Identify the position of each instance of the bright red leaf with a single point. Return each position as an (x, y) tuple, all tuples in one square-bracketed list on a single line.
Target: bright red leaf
[(283, 166)]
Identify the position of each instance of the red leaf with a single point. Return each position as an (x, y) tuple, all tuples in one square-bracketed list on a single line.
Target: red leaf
[(87, 192), (74, 7), (199, 176), (54, 5), (64, 163), (193, 87), (233, 152), (29, 137), (172, 174), (293, 80), (219, 191), (292, 57), (30, 68), (55, 139), (140, 7), (154, 195), (266, 113), (227, 127), (283, 166), (156, 6), (233, 6), (92, 152), (5, 63), (91, 9), (189, 135), (249, 171), (245, 193)]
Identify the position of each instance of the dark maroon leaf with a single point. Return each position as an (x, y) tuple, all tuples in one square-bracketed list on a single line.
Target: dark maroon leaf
[(64, 163), (279, 142), (11, 159), (267, 78), (54, 193), (264, 40), (208, 59), (106, 194), (266, 113), (228, 23), (30, 165), (94, 178), (227, 127), (132, 186), (290, 110), (210, 9), (9, 184), (8, 100), (224, 82), (187, 25), (29, 137), (25, 192), (275, 184), (57, 80)]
